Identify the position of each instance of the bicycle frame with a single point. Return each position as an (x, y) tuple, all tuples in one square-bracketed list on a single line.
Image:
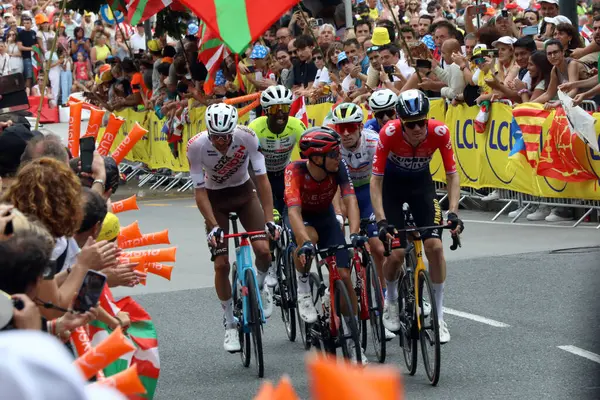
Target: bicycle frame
[(418, 243), (361, 277)]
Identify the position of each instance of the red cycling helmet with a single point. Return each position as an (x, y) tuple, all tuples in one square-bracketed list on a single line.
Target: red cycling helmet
[(319, 140)]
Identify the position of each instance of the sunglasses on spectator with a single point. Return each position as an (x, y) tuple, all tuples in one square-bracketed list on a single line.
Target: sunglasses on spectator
[(413, 124), (284, 108), (342, 63), (349, 127), (390, 114), (294, 52), (318, 58), (479, 61), (372, 49)]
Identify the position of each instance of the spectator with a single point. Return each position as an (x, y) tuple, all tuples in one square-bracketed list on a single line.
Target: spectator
[(119, 47), (25, 40), (326, 34), (100, 51), (363, 28), (87, 24), (355, 54), (4, 60), (14, 53), (69, 24), (451, 75), (44, 34), (286, 76), (283, 36), (306, 70), (13, 141), (80, 44), (138, 40), (539, 70), (569, 36)]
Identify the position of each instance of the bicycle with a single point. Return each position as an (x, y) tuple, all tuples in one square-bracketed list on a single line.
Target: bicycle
[(329, 329), (411, 286), (284, 294), (247, 304)]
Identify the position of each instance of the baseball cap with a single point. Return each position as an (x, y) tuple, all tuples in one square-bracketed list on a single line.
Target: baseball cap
[(341, 57), (13, 141), (549, 1), (154, 45), (477, 50), (110, 227), (41, 19), (507, 40), (559, 19), (259, 51)]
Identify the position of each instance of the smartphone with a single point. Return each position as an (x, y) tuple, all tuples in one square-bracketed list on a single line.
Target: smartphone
[(480, 9), (390, 69), (489, 53), (504, 13), (87, 145), (423, 63), (530, 30), (251, 68), (89, 292)]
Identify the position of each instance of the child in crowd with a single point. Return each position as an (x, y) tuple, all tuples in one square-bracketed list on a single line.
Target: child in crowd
[(83, 75), (66, 75)]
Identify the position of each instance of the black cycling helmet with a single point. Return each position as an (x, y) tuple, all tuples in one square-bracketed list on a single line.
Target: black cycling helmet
[(412, 105), (319, 140)]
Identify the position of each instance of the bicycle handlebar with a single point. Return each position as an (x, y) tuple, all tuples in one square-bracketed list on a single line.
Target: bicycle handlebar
[(243, 234), (455, 238)]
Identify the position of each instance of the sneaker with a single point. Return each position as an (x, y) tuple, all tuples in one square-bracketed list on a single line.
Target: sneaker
[(559, 214), (389, 335), (306, 308), (391, 316), (426, 309), (540, 214), (271, 279), (232, 341), (444, 333), (495, 195), (516, 212), (352, 351), (267, 302)]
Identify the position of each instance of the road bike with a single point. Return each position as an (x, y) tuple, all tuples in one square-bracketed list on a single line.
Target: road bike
[(284, 294), (414, 289), (247, 303), (331, 330)]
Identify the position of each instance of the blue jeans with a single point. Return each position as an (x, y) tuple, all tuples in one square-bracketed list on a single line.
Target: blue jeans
[(66, 82), (27, 68)]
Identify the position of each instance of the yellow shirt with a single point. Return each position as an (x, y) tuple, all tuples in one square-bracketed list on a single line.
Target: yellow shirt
[(102, 53), (374, 14)]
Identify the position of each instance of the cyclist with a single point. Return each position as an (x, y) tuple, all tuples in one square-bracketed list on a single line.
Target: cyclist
[(358, 149), (383, 104), (311, 187), (219, 160), (278, 134), (402, 160)]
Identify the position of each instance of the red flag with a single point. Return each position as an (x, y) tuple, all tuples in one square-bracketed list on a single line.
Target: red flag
[(557, 159), (298, 110), (211, 51)]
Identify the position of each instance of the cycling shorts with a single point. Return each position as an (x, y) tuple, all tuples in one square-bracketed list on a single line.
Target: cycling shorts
[(329, 232), (277, 181), (363, 196), (421, 199), (243, 201)]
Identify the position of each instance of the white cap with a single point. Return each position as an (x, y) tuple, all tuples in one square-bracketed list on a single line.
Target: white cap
[(507, 40), (559, 19), (35, 365), (549, 1)]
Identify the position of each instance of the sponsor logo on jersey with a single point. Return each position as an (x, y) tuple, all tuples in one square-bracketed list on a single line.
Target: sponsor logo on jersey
[(410, 163), (229, 165)]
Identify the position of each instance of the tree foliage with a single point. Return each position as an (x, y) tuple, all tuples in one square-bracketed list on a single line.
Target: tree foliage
[(173, 23)]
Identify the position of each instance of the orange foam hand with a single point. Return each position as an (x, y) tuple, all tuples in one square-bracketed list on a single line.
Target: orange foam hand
[(134, 136), (162, 270), (110, 134), (107, 352), (127, 204), (148, 239), (95, 122), (81, 342), (75, 128), (127, 382), (331, 380), (129, 232), (153, 255)]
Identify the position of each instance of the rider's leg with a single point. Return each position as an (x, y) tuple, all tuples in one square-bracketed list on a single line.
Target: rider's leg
[(223, 288), (437, 271), (302, 272)]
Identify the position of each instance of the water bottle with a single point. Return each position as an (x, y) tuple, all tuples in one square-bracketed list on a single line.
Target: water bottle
[(325, 302)]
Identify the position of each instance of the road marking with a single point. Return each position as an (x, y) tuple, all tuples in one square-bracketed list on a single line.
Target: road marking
[(476, 318), (157, 205), (581, 353), (570, 226)]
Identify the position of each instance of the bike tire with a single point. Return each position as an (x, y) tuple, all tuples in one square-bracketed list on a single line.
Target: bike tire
[(430, 330), (408, 322), (375, 301), (340, 292), (288, 298), (362, 325), (244, 337), (255, 322), (316, 339)]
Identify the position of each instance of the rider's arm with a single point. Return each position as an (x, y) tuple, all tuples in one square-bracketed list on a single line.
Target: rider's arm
[(260, 172), (197, 175), (452, 177), (453, 185), (205, 208), (376, 198), (379, 161)]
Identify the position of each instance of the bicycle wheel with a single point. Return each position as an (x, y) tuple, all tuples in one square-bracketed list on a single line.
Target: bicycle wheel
[(286, 275), (375, 301), (255, 322), (347, 327), (357, 284), (408, 323), (314, 336), (429, 336), (238, 313)]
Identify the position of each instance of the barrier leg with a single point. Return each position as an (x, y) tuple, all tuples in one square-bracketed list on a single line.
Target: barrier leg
[(159, 182), (524, 207), (145, 179), (580, 220), (134, 172), (176, 180), (444, 197), (187, 186), (502, 210)]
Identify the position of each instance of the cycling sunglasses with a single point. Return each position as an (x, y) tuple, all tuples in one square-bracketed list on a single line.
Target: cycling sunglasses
[(274, 109), (349, 127), (219, 137), (412, 124), (333, 153), (389, 113)]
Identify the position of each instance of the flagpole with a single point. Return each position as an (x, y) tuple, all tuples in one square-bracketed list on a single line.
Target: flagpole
[(46, 70), (120, 29), (312, 34)]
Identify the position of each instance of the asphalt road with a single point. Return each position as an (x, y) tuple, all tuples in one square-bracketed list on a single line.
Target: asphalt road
[(511, 304)]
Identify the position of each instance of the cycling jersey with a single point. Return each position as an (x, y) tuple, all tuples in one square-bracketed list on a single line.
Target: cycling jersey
[(213, 170), (277, 148), (360, 161), (301, 190), (395, 155), (373, 124)]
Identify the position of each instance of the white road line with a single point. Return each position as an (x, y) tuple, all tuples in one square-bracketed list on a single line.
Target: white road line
[(476, 221), (476, 318), (581, 353)]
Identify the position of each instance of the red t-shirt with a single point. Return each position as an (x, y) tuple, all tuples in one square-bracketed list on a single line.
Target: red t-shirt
[(81, 71)]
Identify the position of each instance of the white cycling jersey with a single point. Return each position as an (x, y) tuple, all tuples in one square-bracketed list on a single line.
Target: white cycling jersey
[(213, 170), (360, 160)]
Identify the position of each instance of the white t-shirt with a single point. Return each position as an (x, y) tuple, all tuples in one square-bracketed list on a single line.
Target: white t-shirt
[(213, 170), (405, 70), (68, 244), (527, 80), (138, 42), (322, 77), (349, 84)]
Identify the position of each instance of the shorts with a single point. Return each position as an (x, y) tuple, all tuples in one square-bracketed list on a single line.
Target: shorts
[(329, 232), (27, 68), (243, 201), (277, 181), (424, 207), (363, 196)]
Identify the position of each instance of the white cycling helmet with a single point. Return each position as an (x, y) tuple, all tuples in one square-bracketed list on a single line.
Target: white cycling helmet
[(346, 113), (221, 118), (274, 95), (382, 100)]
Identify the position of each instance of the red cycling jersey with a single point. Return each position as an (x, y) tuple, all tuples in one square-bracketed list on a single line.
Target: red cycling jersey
[(397, 156), (301, 190)]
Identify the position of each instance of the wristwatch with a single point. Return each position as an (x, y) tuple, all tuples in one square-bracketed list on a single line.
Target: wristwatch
[(100, 181)]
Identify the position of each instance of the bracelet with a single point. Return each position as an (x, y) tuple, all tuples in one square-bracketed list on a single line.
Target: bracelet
[(100, 181), (523, 91)]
